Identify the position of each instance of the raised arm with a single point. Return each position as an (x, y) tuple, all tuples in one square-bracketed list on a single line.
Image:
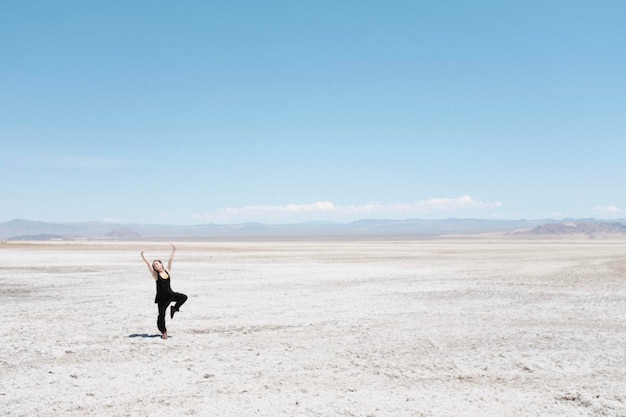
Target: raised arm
[(169, 263), (150, 268)]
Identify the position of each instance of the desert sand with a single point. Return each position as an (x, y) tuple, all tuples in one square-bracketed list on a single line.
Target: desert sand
[(465, 327)]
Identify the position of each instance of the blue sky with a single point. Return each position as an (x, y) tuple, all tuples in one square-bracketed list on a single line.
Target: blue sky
[(285, 111)]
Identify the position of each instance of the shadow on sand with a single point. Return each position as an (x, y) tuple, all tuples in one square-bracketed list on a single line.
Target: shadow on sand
[(144, 335)]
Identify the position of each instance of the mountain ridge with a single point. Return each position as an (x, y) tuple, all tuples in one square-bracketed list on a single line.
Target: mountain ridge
[(21, 229)]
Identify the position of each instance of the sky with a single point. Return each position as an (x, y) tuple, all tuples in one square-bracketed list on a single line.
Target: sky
[(194, 112)]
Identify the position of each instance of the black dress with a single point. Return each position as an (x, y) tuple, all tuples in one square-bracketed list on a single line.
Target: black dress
[(164, 296), (163, 288)]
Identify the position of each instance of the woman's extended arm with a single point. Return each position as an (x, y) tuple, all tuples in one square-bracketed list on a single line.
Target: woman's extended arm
[(169, 263), (150, 268)]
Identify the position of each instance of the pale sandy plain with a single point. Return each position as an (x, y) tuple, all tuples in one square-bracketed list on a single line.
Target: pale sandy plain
[(472, 327)]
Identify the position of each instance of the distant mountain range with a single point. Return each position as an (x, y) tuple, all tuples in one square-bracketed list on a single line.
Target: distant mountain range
[(26, 230), (589, 228)]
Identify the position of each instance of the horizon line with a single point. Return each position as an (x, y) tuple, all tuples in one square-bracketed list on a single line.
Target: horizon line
[(318, 221)]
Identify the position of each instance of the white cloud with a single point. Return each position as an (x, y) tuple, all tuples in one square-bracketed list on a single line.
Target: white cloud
[(259, 212), (607, 211), (326, 210)]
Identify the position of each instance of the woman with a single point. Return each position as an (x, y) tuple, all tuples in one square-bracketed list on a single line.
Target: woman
[(164, 293)]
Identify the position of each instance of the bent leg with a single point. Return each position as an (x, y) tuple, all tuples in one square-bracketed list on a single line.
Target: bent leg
[(180, 300)]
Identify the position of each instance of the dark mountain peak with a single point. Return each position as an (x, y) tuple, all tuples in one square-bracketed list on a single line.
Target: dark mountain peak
[(573, 227)]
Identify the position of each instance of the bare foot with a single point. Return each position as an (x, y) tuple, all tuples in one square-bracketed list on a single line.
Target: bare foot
[(164, 335)]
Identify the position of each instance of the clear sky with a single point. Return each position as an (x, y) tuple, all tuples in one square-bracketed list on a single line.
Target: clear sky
[(194, 112)]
